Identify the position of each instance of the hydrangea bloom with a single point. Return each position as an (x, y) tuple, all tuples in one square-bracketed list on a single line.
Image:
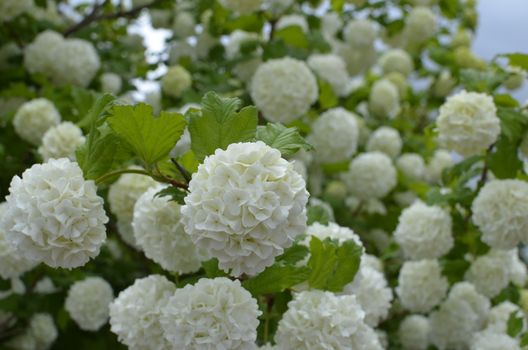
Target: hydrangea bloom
[(283, 89), (212, 314), (440, 161), (331, 23), (40, 334), (360, 33), (357, 60), (334, 136), (384, 99), (468, 123), (396, 60), (490, 273), (61, 141), (332, 69), (76, 63), (111, 83), (159, 232), (387, 140), (421, 285), (39, 56), (88, 303), (499, 315), (246, 204), (322, 320), (501, 212), (9, 9), (424, 232), (54, 215), (135, 313), (242, 7), (176, 81), (412, 166), (183, 24), (370, 175), (420, 24), (414, 332), (34, 118), (491, 341)]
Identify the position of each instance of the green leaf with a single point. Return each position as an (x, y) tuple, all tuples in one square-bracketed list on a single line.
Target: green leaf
[(454, 269), (294, 254), (504, 162), (518, 59), (450, 8), (515, 324), (327, 97), (318, 214), (293, 36), (150, 138), (212, 270), (101, 105), (287, 140), (505, 100), (524, 339), (176, 195), (337, 5), (348, 260), (488, 81), (512, 123), (276, 278), (219, 124)]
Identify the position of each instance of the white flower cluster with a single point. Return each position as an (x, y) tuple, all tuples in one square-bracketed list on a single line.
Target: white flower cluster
[(183, 25), (334, 136), (40, 334), (322, 320), (492, 341), (64, 61), (396, 60), (499, 315), (424, 232), (387, 140), (412, 166), (440, 161), (111, 83), (245, 69), (246, 204), (242, 7), (370, 175), (414, 332), (332, 69), (135, 313), (34, 118), (88, 303), (283, 89), (420, 24), (360, 33), (10, 9), (61, 141), (54, 215), (212, 314), (159, 232), (384, 99), (176, 81), (468, 123), (332, 231), (500, 211)]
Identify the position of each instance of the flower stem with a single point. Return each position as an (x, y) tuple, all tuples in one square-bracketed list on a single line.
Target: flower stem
[(112, 174)]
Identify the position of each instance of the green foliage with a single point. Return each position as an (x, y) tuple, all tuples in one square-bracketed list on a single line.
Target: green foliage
[(177, 195), (287, 140), (514, 325), (276, 278), (518, 60)]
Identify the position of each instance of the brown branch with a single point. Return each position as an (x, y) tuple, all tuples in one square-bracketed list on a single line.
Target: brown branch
[(86, 20)]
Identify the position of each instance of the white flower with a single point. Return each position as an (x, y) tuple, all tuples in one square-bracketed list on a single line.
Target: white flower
[(40, 334), (420, 24), (176, 81), (387, 140), (414, 332), (204, 43), (245, 69), (444, 84), (183, 25), (424, 232), (384, 99), (332, 231), (334, 136), (160, 234), (440, 161), (501, 212), (212, 314), (12, 263), (370, 175), (396, 60), (518, 269), (45, 286), (357, 60), (421, 285), (111, 83), (499, 315), (331, 68), (322, 320), (236, 40), (468, 123), (283, 89), (242, 7), (76, 63), (412, 166), (331, 23), (9, 9), (54, 215), (40, 55), (360, 33), (246, 204), (135, 313), (61, 141), (492, 341), (34, 118), (405, 198), (179, 49), (292, 20), (490, 273), (88, 303)]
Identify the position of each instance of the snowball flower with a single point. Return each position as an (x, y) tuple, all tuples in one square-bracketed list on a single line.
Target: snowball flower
[(420, 24), (160, 234), (468, 123), (332, 231), (61, 141), (384, 99), (246, 204), (292, 20), (414, 332), (236, 40), (40, 55), (444, 84), (176, 81), (412, 166), (500, 211), (12, 263), (88, 303), (421, 285), (387, 140), (332, 69), (357, 60), (34, 118), (54, 215), (111, 83), (334, 136), (135, 313), (499, 315), (183, 25), (492, 341), (212, 314), (40, 334), (9, 9), (490, 273), (360, 33), (76, 63), (242, 7), (440, 161), (331, 23), (283, 89), (321, 320), (370, 175), (424, 232), (396, 60)]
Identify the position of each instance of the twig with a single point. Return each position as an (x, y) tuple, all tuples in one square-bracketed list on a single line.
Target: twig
[(182, 170), (108, 176), (86, 20)]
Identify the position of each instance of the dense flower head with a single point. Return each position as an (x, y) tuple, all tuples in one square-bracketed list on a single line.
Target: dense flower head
[(500, 212), (135, 313), (34, 118), (211, 314), (420, 24), (444, 84), (283, 89), (61, 141), (370, 175), (424, 232), (39, 56), (242, 7), (385, 139), (384, 99), (88, 303), (396, 60), (332, 69), (236, 40), (10, 9), (292, 20), (499, 315), (54, 215), (487, 340), (414, 332), (357, 61), (246, 204), (183, 25), (159, 233), (331, 23), (111, 83), (360, 33), (332, 231), (412, 166), (40, 334), (176, 81), (334, 136), (321, 320), (468, 123), (421, 285), (440, 161)]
